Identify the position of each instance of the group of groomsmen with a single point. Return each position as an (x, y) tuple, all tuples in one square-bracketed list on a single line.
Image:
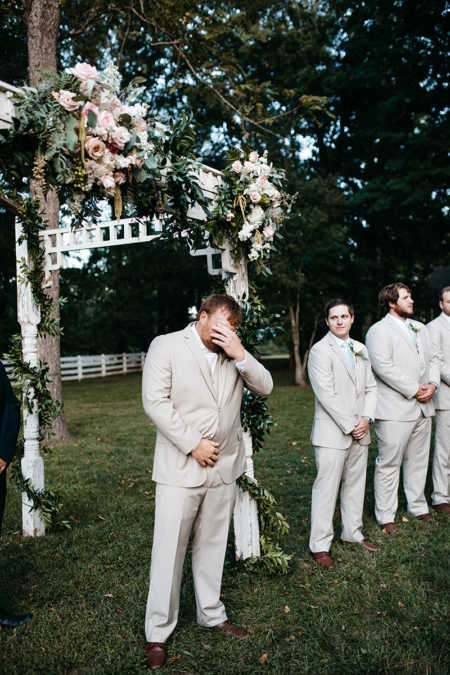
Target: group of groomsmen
[(396, 382)]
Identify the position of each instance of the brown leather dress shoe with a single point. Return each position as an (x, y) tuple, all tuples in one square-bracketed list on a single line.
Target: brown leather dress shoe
[(368, 546), (428, 519), (389, 528), (323, 559), (156, 654), (442, 508), (231, 629)]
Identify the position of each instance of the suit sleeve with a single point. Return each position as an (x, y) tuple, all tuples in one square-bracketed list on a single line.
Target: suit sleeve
[(156, 389), (378, 344), (10, 419), (370, 399), (437, 346), (320, 372), (256, 377)]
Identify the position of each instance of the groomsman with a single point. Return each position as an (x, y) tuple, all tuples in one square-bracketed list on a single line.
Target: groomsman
[(440, 333), (345, 397), (407, 369)]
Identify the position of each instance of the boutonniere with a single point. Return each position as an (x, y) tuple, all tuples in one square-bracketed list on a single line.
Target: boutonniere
[(415, 329), (357, 350)]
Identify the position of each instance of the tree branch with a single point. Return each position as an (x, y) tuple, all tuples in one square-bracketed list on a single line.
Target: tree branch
[(11, 205)]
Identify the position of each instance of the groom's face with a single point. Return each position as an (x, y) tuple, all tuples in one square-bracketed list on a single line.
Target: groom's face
[(207, 322)]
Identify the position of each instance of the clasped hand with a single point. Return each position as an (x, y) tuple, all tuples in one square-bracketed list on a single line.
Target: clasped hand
[(206, 452), (361, 428), (425, 392), (225, 337), (3, 465)]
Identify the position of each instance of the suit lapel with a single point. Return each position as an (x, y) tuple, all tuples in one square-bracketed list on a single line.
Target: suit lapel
[(336, 349), (399, 331), (195, 348)]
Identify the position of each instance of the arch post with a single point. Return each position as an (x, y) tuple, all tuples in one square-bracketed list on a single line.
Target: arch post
[(32, 463), (245, 517)]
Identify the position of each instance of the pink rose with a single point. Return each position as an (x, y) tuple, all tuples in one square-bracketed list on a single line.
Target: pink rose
[(84, 72), (248, 166), (117, 108), (120, 137), (261, 179), (119, 177), (108, 182), (65, 98), (268, 232), (89, 106), (105, 120), (253, 157), (237, 166), (140, 125), (255, 197), (94, 147)]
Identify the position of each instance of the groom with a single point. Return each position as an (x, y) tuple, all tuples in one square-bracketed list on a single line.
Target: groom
[(192, 390)]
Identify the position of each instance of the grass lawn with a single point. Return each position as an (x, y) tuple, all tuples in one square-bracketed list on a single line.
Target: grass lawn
[(382, 613)]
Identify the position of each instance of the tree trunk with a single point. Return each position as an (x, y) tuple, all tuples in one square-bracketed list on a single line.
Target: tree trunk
[(294, 314), (42, 18)]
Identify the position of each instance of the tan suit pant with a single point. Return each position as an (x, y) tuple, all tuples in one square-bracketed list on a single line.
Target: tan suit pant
[(345, 468), (441, 459), (407, 445), (206, 511)]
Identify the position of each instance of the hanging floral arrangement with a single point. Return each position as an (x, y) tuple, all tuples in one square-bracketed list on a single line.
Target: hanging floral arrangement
[(94, 140), (251, 208)]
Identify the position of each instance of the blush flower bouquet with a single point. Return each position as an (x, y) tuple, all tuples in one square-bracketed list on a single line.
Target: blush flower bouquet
[(94, 138), (250, 208)]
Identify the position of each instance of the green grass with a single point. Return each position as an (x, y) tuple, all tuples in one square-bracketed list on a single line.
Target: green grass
[(383, 613)]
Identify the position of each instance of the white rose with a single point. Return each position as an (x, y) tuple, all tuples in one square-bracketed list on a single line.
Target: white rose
[(268, 232), (256, 216), (253, 255), (120, 137), (245, 232), (237, 166), (84, 72), (108, 182), (253, 157)]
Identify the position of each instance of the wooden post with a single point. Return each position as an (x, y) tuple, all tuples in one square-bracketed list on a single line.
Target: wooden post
[(79, 368), (103, 357), (245, 517), (32, 464)]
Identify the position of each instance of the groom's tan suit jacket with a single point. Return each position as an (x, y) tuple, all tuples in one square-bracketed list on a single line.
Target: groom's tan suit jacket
[(186, 403), (342, 394), (400, 367)]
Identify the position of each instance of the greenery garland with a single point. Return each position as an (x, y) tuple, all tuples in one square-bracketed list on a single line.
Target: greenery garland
[(256, 419)]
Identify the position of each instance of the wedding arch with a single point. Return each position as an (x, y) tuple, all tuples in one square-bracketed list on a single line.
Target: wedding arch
[(239, 210)]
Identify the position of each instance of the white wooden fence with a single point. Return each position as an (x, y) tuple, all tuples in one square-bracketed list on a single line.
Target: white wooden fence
[(98, 365)]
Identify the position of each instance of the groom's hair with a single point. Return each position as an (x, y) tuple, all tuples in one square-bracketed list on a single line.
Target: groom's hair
[(390, 294), (219, 301), (334, 303)]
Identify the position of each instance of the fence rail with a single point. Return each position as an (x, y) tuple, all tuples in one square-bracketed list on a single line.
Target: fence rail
[(98, 365)]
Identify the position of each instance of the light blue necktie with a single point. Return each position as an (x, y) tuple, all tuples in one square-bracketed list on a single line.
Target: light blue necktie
[(349, 354)]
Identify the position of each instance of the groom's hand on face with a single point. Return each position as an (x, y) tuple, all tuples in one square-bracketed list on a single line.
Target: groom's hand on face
[(206, 452), (224, 335)]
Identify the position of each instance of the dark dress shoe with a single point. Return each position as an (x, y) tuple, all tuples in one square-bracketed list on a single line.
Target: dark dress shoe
[(428, 519), (389, 528), (442, 508), (231, 629), (368, 546), (14, 621), (156, 654), (323, 559)]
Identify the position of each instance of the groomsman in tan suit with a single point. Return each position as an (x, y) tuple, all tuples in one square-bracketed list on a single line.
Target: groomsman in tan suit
[(345, 397), (192, 389), (439, 329), (407, 369)]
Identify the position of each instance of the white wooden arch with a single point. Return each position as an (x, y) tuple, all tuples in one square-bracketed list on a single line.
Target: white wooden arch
[(62, 240)]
